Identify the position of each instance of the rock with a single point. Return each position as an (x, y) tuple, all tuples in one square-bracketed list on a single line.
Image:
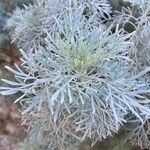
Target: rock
[(10, 128), (15, 116), (4, 110), (10, 119), (6, 143)]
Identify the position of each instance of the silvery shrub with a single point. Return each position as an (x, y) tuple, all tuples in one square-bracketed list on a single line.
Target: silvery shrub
[(83, 76)]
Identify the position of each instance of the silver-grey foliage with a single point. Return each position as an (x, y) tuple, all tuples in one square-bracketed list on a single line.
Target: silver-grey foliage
[(140, 133), (138, 19), (28, 23), (77, 79)]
